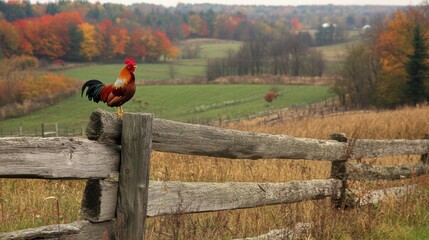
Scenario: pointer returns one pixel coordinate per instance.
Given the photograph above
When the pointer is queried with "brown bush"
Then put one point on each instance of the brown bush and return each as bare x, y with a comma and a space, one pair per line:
25, 90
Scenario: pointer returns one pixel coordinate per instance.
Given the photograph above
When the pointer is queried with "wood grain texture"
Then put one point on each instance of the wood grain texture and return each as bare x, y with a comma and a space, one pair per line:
191, 197
105, 127
376, 196
134, 175
72, 231
99, 200
72, 158
169, 136
366, 148
183, 138
361, 171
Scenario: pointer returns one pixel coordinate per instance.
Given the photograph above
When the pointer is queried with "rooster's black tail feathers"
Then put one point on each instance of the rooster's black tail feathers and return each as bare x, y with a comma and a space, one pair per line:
94, 90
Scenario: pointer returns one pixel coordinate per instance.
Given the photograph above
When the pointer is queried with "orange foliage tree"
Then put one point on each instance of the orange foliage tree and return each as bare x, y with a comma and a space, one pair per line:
393, 45
88, 47
55, 36
47, 36
112, 39
162, 43
9, 38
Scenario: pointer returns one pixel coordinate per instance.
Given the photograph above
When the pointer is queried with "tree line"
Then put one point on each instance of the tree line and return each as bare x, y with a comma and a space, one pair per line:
148, 30
287, 55
68, 36
390, 67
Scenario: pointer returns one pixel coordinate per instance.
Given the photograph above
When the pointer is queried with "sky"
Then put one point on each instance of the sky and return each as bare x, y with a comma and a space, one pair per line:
172, 3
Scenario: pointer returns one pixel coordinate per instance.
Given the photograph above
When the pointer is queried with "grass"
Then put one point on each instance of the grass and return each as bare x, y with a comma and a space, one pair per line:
145, 71
182, 69
212, 48
334, 53
174, 102
219, 50
23, 204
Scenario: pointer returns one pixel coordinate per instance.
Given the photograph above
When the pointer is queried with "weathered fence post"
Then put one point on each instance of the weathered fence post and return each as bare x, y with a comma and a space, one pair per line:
425, 157
56, 129
43, 130
338, 171
134, 175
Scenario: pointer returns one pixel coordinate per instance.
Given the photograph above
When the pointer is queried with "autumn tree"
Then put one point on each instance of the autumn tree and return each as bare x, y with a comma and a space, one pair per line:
394, 43
150, 43
185, 30
88, 47
400, 64
194, 23
112, 39
225, 25
162, 43
136, 47
296, 24
172, 52
9, 39
47, 36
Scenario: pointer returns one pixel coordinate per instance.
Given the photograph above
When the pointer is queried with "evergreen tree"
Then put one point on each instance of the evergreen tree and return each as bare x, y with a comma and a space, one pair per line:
416, 69
76, 37
52, 9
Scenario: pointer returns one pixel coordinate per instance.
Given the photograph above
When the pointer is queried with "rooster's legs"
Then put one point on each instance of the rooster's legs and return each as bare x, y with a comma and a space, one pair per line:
119, 112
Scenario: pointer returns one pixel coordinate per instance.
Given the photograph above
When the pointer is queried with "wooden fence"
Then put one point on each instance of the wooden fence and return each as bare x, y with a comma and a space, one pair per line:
328, 107
43, 130
118, 199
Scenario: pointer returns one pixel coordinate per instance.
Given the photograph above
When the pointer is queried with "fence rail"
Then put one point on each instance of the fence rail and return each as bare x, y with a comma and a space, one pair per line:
119, 196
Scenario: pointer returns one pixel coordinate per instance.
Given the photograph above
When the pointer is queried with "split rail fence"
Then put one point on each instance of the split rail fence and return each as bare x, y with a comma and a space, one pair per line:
119, 196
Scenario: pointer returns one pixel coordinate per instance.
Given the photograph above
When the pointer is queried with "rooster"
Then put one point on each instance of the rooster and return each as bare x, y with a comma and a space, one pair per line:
115, 94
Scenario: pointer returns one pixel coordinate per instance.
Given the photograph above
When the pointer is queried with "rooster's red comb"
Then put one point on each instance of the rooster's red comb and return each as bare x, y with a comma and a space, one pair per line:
129, 61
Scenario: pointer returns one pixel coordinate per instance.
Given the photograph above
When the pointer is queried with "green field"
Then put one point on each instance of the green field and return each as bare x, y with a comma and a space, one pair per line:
145, 71
179, 69
182, 69
216, 50
175, 102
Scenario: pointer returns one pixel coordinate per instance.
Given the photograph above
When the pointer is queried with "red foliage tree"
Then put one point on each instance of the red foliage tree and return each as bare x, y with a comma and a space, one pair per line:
136, 47
296, 24
163, 43
185, 30
47, 36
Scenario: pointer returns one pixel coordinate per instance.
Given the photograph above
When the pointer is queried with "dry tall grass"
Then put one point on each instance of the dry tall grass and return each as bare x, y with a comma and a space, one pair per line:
22, 202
